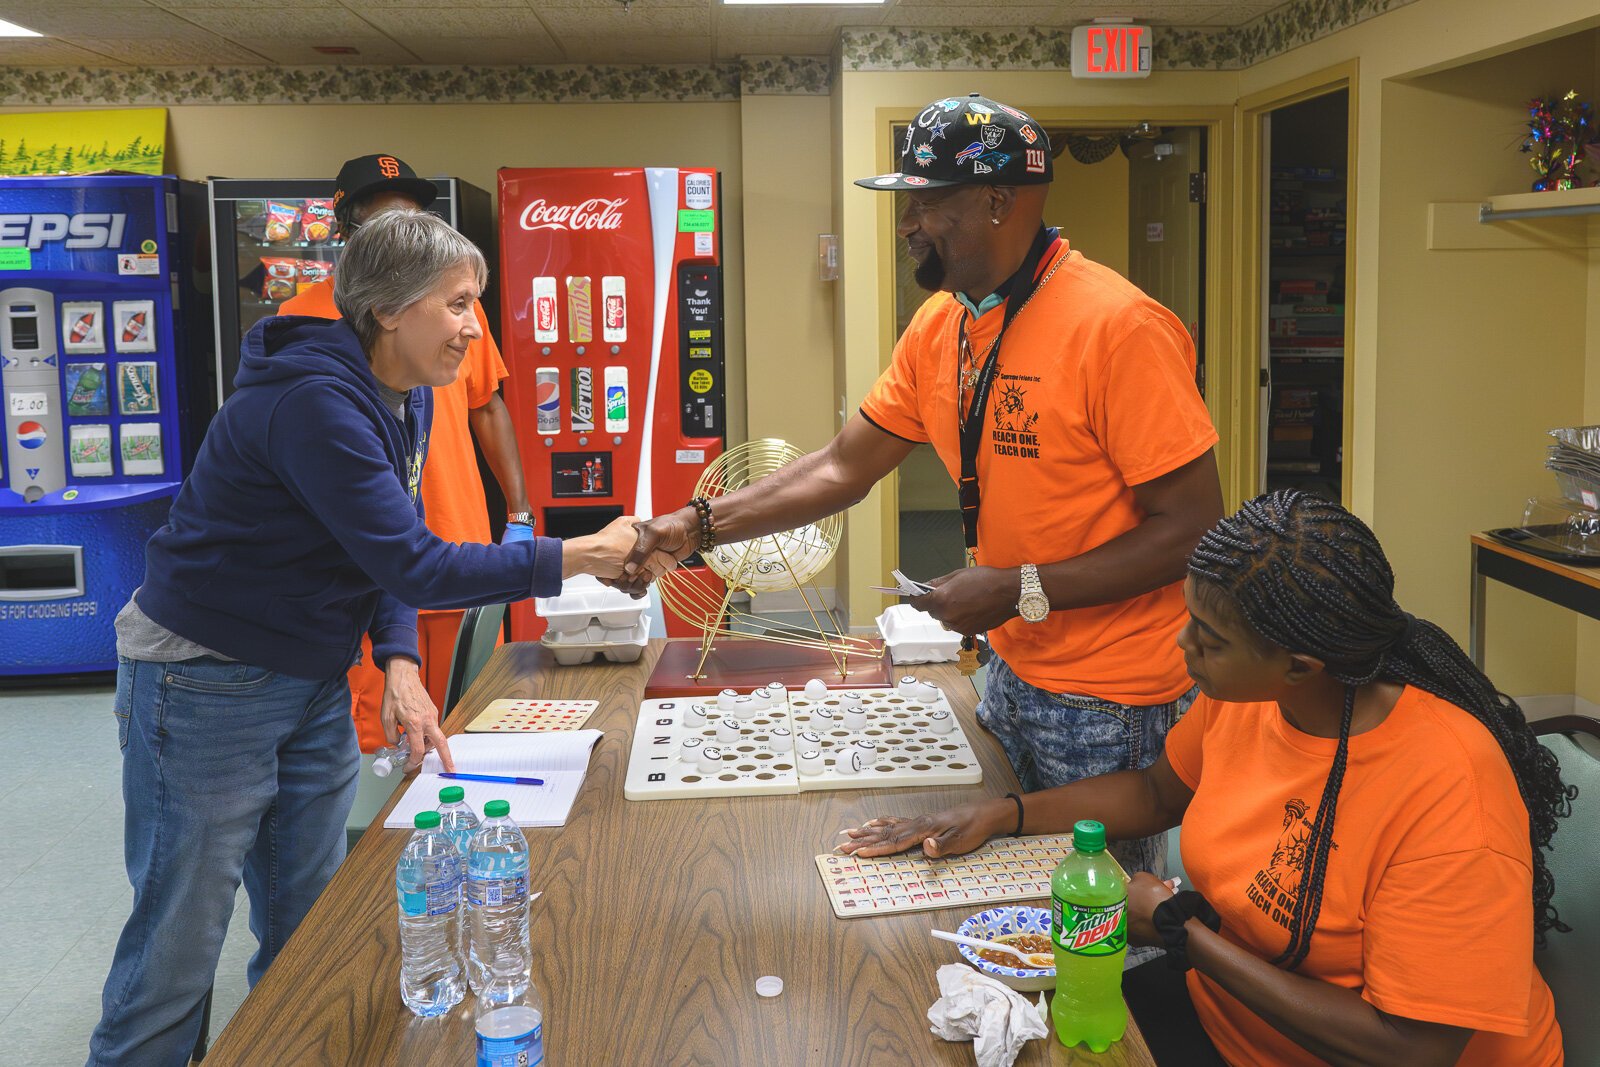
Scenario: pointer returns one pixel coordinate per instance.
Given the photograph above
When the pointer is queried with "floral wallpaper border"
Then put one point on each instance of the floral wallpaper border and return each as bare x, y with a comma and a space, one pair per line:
1285, 27
1288, 26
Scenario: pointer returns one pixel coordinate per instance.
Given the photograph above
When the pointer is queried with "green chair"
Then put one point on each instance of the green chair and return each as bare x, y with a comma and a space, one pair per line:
1571, 962
475, 643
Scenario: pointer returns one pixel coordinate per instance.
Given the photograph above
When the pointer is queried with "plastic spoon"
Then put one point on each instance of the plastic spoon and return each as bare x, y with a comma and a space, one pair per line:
1032, 960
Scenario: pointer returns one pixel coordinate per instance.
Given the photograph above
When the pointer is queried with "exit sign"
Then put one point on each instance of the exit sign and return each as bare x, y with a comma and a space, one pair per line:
1111, 51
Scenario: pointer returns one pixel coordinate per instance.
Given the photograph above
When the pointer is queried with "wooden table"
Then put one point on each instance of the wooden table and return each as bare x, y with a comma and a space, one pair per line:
656, 920
1577, 588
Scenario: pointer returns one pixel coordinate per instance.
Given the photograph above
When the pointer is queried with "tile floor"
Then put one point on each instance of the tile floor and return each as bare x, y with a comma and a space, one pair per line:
63, 892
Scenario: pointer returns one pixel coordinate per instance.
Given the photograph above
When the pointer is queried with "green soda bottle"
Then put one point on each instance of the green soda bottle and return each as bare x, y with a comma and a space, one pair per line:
1089, 925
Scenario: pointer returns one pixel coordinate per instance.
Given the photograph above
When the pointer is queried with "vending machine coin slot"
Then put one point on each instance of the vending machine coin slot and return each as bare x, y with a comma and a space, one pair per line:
702, 390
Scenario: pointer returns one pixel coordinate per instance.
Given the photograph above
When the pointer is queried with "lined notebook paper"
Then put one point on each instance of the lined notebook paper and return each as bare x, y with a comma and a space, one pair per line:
561, 759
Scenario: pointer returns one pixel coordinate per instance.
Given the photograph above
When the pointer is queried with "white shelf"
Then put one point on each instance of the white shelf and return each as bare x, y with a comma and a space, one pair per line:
1553, 204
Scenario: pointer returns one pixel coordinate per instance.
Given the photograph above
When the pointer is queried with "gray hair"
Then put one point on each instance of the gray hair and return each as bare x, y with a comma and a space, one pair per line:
395, 259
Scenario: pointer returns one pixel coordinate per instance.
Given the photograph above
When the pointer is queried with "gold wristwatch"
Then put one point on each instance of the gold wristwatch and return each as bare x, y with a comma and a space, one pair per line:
1033, 605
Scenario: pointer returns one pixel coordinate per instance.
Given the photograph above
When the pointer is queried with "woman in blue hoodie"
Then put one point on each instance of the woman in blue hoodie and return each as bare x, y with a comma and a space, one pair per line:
299, 529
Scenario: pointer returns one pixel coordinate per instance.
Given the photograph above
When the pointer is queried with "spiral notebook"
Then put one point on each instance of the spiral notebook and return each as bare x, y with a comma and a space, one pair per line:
561, 759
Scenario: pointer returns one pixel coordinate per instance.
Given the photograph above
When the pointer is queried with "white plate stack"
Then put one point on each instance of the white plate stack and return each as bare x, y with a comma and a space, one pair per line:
588, 620
916, 637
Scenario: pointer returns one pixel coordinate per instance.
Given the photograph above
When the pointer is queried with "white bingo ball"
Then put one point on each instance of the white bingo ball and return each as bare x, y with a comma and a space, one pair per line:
926, 691
906, 686
778, 690
855, 718
780, 740
710, 758
823, 719
846, 761
816, 689
850, 700
940, 722
811, 763
695, 715
866, 752
760, 699
808, 742
728, 729
689, 750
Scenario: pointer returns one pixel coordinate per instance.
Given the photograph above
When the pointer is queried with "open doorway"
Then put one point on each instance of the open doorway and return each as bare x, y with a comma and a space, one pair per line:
1129, 196
1304, 225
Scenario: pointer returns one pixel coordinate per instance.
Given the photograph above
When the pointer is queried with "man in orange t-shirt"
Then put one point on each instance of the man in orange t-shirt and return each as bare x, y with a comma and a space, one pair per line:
1092, 475
469, 407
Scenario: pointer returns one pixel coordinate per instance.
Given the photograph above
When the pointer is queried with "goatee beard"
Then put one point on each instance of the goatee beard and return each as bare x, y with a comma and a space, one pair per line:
930, 272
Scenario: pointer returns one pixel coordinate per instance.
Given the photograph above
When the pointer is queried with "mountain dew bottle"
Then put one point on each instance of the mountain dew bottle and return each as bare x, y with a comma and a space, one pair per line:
1089, 925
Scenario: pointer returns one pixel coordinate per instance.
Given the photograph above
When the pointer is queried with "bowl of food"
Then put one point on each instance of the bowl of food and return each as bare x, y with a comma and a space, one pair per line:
1024, 928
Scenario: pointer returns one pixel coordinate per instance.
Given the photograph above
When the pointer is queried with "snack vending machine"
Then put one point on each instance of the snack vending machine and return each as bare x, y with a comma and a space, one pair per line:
273, 237
611, 294
106, 368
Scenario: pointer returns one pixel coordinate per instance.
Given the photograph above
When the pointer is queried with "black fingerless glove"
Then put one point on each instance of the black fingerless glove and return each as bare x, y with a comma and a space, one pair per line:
1169, 918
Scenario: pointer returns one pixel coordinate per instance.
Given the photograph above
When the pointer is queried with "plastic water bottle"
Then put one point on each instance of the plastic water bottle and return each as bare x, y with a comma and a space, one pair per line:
510, 1024
1089, 925
427, 881
392, 758
457, 818
497, 899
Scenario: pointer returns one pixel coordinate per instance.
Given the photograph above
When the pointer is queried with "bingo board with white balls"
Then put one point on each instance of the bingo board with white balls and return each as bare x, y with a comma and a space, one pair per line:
775, 740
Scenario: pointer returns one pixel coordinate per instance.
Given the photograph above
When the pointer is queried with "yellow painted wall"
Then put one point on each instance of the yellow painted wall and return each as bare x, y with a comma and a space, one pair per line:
1089, 201
1462, 330
788, 313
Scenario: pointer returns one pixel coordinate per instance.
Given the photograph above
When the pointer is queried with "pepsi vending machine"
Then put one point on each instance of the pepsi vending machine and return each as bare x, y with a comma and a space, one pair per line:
106, 367
611, 290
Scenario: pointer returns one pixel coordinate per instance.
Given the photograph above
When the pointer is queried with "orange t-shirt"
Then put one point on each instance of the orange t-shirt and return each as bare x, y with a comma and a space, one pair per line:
452, 492
1095, 393
1427, 907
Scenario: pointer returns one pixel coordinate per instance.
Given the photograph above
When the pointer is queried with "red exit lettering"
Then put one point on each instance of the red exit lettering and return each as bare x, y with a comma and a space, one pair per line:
1114, 49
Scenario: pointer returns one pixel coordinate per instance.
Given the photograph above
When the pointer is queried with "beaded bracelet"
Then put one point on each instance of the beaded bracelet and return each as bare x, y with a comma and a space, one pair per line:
708, 524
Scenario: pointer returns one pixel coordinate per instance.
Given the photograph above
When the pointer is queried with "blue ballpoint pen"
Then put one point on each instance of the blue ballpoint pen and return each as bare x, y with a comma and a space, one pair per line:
491, 778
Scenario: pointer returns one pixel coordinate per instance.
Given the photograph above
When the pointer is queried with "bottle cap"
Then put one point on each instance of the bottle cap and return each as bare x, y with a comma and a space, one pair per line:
427, 820
452, 794
497, 809
769, 985
1089, 836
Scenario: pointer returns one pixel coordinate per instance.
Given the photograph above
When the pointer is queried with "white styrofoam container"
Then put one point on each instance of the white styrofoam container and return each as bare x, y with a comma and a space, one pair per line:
916, 637
619, 644
584, 602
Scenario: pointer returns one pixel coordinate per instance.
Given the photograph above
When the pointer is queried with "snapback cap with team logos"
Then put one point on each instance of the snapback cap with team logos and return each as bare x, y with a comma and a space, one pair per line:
365, 175
969, 140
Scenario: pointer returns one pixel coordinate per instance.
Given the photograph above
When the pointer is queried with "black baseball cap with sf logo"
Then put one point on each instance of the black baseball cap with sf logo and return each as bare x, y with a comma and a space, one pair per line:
969, 140
365, 175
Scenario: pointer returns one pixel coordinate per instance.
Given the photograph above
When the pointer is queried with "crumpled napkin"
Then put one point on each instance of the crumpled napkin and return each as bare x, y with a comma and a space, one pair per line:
997, 1019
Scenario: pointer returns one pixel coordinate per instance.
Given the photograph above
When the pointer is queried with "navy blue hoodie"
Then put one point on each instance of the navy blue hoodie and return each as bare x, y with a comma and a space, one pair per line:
301, 527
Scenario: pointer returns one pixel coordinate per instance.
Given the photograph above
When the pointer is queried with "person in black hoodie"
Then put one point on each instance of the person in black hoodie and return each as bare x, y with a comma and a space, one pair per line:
299, 529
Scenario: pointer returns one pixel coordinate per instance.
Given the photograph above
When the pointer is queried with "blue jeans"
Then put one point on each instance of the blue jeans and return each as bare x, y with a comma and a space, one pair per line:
228, 771
1055, 738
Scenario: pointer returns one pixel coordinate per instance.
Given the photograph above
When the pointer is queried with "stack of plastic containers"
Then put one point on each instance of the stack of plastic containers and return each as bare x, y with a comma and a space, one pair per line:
589, 619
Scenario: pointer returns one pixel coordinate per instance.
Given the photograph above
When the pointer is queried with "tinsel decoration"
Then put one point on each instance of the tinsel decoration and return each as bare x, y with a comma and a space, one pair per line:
1558, 130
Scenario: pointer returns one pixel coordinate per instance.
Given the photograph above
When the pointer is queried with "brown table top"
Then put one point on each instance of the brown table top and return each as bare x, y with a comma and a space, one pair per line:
656, 920
1589, 576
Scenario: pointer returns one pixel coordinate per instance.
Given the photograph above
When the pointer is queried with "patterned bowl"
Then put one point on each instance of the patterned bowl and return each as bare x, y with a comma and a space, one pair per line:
997, 922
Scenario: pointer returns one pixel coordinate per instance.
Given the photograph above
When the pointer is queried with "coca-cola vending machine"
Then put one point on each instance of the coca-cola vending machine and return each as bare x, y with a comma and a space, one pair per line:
611, 290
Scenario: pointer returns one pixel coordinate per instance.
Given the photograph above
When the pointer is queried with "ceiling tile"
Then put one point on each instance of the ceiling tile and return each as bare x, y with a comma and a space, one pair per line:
644, 48
361, 7
484, 50
506, 23
31, 52
236, 23
732, 46
791, 20
640, 23
299, 51
100, 20
263, 11
187, 50
635, 6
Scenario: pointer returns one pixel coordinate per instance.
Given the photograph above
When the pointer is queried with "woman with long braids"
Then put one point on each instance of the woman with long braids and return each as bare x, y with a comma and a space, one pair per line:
1364, 816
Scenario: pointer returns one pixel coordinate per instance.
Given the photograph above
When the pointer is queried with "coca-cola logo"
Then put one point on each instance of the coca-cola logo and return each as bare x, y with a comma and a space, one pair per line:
593, 214
545, 313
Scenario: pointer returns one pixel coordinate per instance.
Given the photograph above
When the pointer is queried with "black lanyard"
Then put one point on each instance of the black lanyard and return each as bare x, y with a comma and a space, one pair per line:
972, 426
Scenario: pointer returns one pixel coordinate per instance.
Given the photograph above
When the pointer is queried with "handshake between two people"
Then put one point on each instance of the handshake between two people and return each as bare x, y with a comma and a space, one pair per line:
629, 554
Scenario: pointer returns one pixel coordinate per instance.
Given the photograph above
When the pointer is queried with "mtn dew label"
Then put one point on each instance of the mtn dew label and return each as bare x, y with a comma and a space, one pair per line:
1090, 930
